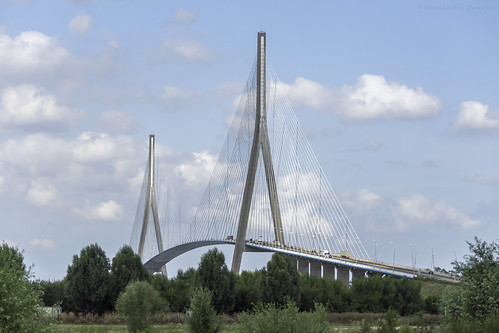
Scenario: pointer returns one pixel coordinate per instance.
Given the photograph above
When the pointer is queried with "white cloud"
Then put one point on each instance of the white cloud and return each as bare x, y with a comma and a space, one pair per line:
91, 147
81, 24
41, 194
417, 209
372, 97
475, 116
34, 155
198, 171
30, 51
360, 201
184, 16
28, 105
186, 50
43, 243
107, 211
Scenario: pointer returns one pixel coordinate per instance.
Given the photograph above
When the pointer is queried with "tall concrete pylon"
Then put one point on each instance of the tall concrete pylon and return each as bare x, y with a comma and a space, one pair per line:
151, 206
260, 140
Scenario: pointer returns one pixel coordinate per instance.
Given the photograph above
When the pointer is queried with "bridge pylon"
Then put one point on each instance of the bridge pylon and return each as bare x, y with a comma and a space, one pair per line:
260, 141
151, 206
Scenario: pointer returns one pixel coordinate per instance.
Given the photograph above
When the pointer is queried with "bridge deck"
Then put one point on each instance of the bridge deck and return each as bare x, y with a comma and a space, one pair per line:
154, 264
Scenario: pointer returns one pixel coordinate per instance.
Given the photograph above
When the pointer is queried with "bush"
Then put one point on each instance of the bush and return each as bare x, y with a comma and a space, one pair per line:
272, 318
203, 317
138, 303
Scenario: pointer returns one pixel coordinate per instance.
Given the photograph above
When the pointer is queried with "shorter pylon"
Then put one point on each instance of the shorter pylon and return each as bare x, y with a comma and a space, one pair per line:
151, 206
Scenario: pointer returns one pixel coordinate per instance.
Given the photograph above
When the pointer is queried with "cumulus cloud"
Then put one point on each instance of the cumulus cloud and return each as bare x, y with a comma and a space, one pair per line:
184, 16
372, 97
30, 52
107, 211
186, 50
30, 106
43, 243
35, 155
81, 24
360, 201
198, 171
417, 209
44, 169
91, 147
40, 194
476, 117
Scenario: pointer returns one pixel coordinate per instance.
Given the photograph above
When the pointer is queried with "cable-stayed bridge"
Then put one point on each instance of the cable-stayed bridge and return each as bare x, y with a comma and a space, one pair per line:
267, 193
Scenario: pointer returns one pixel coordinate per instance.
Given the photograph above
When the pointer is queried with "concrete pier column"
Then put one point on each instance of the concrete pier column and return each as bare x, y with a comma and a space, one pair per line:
358, 273
328, 271
315, 268
294, 260
343, 274
303, 266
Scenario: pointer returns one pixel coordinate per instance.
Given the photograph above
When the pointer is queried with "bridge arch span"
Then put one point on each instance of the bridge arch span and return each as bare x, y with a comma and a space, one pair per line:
155, 263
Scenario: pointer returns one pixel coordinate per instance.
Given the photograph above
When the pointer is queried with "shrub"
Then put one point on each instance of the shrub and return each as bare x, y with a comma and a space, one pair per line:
203, 316
138, 303
273, 318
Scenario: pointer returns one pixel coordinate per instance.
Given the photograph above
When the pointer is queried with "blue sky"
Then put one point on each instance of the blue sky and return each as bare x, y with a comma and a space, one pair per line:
398, 99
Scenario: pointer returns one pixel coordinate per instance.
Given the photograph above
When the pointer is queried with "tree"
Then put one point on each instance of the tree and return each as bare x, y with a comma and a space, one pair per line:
180, 290
214, 275
20, 300
138, 303
53, 292
280, 280
88, 282
126, 267
247, 290
478, 296
203, 316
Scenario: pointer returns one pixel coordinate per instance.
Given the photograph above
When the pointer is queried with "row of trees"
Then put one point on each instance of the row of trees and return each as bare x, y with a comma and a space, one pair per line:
93, 284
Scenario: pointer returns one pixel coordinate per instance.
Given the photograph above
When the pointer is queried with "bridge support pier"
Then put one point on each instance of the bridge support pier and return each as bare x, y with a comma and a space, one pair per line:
358, 273
303, 266
315, 268
343, 274
327, 271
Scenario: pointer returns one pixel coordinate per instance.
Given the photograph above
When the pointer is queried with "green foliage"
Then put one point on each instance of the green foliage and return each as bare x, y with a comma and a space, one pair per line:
478, 296
280, 280
178, 291
214, 275
20, 300
432, 303
88, 282
203, 316
285, 319
53, 292
248, 292
126, 267
390, 322
138, 303
377, 294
